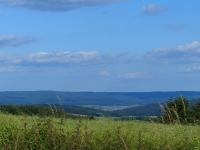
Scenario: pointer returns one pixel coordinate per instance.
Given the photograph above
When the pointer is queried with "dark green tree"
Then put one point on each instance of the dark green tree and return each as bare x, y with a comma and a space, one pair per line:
196, 110
177, 110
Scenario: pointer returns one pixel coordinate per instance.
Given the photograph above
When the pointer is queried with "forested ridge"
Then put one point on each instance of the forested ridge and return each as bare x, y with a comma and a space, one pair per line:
90, 98
148, 110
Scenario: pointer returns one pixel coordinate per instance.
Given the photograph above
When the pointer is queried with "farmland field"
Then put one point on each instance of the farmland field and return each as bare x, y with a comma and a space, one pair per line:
110, 108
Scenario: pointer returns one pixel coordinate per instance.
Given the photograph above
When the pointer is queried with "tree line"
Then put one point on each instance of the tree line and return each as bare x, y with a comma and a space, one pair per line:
39, 110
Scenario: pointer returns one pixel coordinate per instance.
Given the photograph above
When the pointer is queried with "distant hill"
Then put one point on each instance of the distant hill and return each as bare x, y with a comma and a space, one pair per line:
87, 111
148, 110
91, 98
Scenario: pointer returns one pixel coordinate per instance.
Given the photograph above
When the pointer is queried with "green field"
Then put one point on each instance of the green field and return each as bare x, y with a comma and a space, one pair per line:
31, 132
110, 108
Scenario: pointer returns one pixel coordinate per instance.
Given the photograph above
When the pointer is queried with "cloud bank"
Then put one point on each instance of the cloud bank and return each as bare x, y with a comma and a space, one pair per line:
153, 9
11, 40
186, 53
55, 5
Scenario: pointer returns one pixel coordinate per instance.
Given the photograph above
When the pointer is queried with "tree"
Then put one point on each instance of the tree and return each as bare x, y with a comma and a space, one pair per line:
196, 110
176, 110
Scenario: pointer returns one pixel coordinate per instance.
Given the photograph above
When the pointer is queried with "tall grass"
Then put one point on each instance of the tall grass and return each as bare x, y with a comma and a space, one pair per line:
178, 111
25, 132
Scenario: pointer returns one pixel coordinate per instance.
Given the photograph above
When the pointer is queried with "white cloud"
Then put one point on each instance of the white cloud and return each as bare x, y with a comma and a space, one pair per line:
187, 47
153, 9
180, 54
55, 5
59, 58
104, 73
68, 57
193, 69
11, 40
10, 69
136, 75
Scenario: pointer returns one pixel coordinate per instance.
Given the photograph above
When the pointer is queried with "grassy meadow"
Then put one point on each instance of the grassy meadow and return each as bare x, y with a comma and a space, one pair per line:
32, 132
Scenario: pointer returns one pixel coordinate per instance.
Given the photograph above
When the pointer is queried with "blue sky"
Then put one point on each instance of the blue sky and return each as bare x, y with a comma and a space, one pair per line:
100, 45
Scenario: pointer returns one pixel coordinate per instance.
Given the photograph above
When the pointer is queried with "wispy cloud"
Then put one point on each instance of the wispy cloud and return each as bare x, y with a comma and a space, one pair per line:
104, 73
119, 11
175, 27
153, 9
180, 54
55, 5
10, 69
132, 75
193, 69
2, 13
7, 69
12, 40
60, 58
68, 58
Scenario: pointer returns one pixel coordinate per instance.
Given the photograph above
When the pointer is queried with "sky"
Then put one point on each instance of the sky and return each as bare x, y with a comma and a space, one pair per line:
100, 45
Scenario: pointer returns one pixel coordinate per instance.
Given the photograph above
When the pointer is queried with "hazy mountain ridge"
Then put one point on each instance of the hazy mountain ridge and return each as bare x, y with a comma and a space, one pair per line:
91, 98
148, 102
